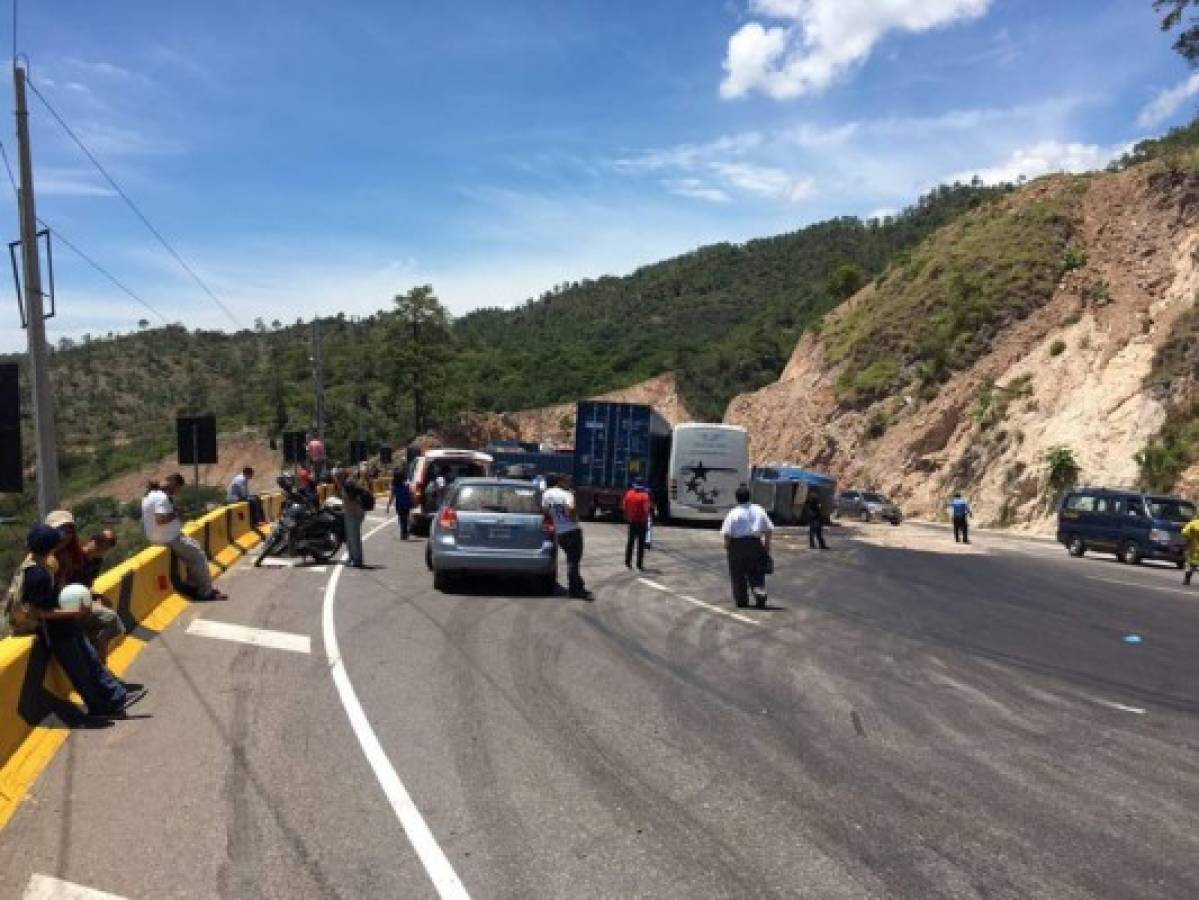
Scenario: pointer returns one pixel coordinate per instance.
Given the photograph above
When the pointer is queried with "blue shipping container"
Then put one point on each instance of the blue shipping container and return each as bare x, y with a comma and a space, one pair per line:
616, 443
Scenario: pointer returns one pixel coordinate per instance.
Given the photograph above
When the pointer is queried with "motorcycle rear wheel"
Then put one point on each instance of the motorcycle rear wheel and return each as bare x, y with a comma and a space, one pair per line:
326, 553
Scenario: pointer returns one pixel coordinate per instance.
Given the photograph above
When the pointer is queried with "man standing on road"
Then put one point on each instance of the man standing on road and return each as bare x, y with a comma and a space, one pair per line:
1190, 531
815, 513
401, 496
559, 504
353, 507
637, 507
961, 515
747, 531
163, 527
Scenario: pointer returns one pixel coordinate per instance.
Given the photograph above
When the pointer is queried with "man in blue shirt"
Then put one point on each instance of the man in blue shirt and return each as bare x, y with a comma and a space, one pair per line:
401, 496
961, 515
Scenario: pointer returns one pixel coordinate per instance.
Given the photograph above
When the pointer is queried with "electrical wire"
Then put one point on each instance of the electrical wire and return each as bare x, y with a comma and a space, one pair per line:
133, 206
70, 246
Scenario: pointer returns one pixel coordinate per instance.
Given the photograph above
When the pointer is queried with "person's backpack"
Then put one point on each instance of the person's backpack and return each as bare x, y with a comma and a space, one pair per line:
20, 620
366, 498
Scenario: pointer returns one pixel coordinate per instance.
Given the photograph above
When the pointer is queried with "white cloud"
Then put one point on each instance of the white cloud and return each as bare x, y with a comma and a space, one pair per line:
70, 183
1168, 102
767, 181
823, 39
1043, 158
696, 189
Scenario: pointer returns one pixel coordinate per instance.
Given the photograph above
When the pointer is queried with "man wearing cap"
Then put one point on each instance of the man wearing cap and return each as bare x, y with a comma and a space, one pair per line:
36, 595
99, 622
164, 528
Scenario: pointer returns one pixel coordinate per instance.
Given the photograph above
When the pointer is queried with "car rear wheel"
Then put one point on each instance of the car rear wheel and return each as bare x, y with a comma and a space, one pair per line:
864, 515
1131, 554
428, 557
1076, 546
441, 581
547, 584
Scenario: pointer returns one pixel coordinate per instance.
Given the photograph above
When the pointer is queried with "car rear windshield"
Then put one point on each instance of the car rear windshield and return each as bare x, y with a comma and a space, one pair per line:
1171, 510
874, 498
501, 498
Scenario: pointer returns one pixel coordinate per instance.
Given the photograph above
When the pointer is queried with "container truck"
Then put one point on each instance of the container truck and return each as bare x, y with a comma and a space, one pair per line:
616, 444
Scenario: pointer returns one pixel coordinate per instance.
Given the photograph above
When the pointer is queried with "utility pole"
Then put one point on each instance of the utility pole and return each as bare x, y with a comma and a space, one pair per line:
43, 398
318, 376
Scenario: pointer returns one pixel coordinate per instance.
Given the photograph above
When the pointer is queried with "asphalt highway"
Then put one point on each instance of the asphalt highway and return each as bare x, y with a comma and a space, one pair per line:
909, 718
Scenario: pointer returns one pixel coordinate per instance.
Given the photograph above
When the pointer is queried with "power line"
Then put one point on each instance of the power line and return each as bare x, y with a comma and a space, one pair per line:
133, 206
70, 246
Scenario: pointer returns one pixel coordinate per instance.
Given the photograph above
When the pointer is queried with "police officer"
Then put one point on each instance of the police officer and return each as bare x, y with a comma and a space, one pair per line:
747, 531
814, 510
961, 512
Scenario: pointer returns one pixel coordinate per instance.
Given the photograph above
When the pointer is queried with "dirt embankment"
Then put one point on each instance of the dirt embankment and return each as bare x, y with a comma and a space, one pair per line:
1070, 374
555, 424
234, 452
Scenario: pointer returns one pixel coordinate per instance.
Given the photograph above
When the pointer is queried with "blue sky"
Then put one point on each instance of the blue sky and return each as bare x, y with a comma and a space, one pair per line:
312, 157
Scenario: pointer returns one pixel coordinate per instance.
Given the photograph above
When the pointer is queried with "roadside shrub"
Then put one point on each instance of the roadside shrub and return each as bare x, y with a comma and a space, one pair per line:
1167, 455
1098, 293
877, 426
1057, 348
1074, 258
1062, 468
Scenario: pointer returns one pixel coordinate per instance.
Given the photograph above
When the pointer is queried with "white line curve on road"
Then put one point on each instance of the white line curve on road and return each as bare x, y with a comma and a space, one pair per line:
437, 865
710, 607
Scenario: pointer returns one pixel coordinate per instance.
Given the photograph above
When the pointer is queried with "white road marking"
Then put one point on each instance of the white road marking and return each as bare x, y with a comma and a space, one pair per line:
297, 564
1111, 704
1148, 587
259, 637
711, 607
43, 887
441, 873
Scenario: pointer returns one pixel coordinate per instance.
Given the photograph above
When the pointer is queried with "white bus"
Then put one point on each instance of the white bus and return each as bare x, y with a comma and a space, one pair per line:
707, 465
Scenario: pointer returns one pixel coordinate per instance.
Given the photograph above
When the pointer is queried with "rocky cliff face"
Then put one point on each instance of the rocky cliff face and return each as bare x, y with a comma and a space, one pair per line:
1071, 372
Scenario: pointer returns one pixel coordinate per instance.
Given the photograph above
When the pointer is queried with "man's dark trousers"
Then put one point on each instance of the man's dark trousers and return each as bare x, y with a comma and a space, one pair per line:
961, 530
745, 567
403, 514
100, 691
816, 533
571, 543
256, 514
637, 532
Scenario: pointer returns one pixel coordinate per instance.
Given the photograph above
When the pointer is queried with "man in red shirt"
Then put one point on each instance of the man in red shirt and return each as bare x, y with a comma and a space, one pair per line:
637, 507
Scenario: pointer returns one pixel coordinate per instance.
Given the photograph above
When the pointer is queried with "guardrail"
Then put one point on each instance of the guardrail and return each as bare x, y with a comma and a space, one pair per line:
36, 701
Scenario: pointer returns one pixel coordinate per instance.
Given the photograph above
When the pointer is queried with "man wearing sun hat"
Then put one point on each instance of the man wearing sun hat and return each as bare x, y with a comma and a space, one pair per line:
99, 622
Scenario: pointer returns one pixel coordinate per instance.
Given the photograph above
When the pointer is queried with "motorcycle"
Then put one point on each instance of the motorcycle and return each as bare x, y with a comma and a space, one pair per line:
306, 528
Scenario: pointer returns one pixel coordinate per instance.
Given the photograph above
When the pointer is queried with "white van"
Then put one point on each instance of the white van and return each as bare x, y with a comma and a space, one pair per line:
707, 465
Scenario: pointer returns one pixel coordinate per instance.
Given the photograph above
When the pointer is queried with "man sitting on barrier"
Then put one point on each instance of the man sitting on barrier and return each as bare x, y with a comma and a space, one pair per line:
239, 492
73, 565
35, 600
163, 527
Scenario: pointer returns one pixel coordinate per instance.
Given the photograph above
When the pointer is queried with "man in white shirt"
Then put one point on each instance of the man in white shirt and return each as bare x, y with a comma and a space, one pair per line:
559, 504
163, 527
747, 531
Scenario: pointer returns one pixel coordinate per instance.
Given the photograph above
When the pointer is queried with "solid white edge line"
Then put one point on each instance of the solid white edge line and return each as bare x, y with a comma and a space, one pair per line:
46, 887
441, 873
1181, 589
258, 637
697, 602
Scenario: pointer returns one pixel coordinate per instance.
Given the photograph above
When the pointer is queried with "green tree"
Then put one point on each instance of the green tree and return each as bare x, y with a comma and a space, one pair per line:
1187, 42
419, 349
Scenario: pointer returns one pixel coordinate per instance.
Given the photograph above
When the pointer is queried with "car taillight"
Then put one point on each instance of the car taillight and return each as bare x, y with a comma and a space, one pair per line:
418, 493
547, 526
448, 518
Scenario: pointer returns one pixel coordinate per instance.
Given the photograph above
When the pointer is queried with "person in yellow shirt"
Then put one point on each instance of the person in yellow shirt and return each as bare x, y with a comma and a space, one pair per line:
1190, 531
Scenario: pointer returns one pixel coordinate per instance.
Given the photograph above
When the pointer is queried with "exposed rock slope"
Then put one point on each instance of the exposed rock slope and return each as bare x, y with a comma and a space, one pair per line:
1069, 369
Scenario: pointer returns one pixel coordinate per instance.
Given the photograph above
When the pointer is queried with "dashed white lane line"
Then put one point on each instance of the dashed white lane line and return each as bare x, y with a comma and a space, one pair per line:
1148, 587
297, 564
694, 601
441, 873
1111, 704
259, 637
43, 887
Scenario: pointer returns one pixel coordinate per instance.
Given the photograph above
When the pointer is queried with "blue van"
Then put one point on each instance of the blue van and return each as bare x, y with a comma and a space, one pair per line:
1130, 524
